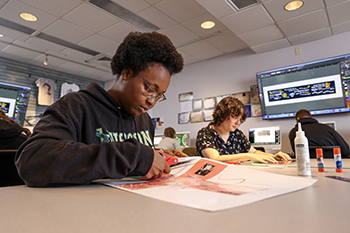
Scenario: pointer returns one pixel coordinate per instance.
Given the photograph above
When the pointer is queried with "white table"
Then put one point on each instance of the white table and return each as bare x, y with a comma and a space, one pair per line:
322, 207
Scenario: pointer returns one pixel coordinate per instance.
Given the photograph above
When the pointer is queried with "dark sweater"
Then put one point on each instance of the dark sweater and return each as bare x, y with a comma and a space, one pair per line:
320, 135
86, 136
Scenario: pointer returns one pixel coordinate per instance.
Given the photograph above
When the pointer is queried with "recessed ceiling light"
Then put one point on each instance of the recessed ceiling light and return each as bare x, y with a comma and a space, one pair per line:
208, 24
1, 35
28, 17
293, 5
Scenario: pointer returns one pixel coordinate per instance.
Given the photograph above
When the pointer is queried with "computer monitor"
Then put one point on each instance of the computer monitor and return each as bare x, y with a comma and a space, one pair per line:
329, 123
157, 139
14, 101
267, 137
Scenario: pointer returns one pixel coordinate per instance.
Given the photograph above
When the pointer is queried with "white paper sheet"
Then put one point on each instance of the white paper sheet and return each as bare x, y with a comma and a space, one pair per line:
210, 185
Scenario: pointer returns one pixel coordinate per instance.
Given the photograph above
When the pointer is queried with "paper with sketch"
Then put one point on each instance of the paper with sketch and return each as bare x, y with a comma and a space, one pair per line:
211, 185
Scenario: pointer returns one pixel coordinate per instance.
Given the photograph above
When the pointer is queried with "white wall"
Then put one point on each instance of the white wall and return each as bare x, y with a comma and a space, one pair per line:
235, 73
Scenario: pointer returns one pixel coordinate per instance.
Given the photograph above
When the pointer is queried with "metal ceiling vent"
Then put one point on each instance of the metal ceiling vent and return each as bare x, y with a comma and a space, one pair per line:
125, 14
240, 4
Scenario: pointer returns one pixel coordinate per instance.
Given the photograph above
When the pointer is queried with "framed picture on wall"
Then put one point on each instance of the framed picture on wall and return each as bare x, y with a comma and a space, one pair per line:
197, 105
208, 115
248, 110
254, 94
219, 98
209, 103
244, 97
186, 96
256, 110
184, 118
196, 117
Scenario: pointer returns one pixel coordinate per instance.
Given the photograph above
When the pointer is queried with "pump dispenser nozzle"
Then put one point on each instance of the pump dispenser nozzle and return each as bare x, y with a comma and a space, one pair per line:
300, 132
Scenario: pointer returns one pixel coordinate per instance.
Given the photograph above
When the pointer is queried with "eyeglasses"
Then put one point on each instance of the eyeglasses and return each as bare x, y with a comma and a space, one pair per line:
236, 120
151, 93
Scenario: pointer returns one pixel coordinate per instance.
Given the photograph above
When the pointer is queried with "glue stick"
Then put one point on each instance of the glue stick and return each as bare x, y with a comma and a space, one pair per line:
320, 163
337, 158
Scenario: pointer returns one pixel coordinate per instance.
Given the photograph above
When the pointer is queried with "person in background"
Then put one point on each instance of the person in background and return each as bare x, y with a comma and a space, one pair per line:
169, 141
12, 134
94, 134
318, 134
222, 140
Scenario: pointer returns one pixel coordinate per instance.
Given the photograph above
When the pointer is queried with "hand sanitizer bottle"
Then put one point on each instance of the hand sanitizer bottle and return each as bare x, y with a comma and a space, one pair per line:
302, 153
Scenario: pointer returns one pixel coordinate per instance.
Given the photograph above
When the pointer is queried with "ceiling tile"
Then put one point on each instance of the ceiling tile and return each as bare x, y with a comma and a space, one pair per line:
10, 33
332, 2
45, 44
99, 43
340, 28
219, 9
278, 13
181, 10
195, 25
234, 47
296, 26
339, 13
19, 54
12, 10
75, 54
197, 47
261, 35
31, 47
67, 31
118, 31
309, 36
225, 38
179, 34
209, 54
248, 20
90, 18
57, 8
158, 18
282, 43
187, 58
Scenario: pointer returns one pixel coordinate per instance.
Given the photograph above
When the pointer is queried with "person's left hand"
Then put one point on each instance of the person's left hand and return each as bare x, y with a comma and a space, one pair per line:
282, 155
175, 152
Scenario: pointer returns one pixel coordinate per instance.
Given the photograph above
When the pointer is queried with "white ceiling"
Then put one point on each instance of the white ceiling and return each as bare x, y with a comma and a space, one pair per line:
261, 27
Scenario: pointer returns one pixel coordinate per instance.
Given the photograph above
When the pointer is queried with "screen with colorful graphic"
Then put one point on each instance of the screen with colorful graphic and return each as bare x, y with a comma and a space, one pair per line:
320, 86
14, 101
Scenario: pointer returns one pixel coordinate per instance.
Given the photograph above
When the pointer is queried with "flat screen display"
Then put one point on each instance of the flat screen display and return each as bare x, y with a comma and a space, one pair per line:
267, 137
14, 101
320, 86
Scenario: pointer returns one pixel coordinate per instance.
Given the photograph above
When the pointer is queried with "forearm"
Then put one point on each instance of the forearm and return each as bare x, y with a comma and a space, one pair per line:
45, 162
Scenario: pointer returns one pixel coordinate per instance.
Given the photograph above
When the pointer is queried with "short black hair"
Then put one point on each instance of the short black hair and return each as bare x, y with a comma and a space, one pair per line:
141, 50
302, 113
226, 107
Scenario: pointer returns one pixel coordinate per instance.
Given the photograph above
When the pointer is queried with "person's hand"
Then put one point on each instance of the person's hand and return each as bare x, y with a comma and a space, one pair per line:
283, 156
175, 152
159, 167
262, 158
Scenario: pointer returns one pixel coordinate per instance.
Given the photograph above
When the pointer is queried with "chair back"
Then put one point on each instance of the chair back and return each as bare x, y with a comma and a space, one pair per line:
8, 171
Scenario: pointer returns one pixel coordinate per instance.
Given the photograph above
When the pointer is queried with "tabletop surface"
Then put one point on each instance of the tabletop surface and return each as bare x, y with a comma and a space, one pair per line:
322, 207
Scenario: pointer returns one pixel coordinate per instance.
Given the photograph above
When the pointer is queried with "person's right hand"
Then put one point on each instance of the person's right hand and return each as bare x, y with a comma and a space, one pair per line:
159, 167
262, 158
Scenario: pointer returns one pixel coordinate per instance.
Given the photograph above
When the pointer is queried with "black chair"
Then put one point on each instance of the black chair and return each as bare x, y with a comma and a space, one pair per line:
327, 151
260, 148
8, 171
